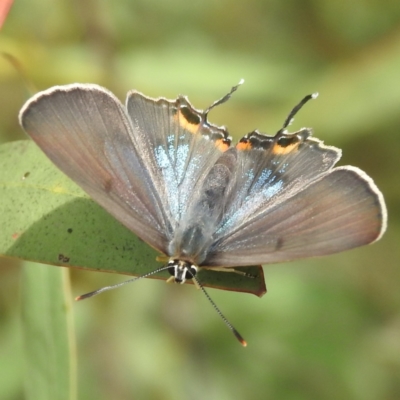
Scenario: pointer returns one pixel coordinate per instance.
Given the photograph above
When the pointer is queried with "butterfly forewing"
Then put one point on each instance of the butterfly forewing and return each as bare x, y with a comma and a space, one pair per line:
85, 131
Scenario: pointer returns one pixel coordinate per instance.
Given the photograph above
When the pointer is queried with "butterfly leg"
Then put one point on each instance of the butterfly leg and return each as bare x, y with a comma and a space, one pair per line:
163, 258
232, 270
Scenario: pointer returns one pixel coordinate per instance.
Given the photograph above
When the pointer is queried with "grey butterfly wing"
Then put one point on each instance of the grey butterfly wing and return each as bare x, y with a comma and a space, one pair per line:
290, 213
88, 134
85, 131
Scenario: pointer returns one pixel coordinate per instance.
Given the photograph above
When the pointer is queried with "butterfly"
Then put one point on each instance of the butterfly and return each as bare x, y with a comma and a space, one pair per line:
175, 180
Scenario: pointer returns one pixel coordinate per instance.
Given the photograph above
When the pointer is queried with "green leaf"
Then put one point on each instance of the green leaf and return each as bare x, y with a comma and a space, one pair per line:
49, 343
47, 218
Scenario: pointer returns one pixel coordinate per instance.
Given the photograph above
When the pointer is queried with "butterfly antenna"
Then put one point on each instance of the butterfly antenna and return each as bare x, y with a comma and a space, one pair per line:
296, 109
227, 323
106, 288
225, 98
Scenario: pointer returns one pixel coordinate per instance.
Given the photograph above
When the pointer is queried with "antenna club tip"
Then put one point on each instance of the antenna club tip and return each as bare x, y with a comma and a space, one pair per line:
84, 296
315, 95
239, 337
241, 82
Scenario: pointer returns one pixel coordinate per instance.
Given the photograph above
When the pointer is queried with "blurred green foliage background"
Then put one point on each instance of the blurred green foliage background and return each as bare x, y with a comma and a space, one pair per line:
328, 328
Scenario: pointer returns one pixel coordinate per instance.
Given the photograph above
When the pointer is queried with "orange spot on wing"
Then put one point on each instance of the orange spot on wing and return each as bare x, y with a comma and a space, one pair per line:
244, 145
185, 124
221, 145
278, 149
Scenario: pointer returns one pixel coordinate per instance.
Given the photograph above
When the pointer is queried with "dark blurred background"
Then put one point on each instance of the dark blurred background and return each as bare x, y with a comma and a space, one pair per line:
328, 328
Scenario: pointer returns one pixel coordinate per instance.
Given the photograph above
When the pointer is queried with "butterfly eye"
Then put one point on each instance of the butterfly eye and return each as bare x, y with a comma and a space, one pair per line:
191, 272
172, 267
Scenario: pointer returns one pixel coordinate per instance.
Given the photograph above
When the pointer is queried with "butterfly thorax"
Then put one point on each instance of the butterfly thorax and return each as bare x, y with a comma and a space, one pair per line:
194, 233
181, 270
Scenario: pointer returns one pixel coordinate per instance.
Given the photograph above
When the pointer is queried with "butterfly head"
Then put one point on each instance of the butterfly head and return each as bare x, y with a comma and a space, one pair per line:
181, 270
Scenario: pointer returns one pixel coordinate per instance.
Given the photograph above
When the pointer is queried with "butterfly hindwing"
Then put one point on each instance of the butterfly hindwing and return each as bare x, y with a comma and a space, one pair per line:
268, 173
283, 210
178, 147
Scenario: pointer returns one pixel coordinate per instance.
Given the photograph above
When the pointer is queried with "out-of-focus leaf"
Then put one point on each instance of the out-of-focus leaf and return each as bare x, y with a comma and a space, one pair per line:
49, 343
356, 94
46, 218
